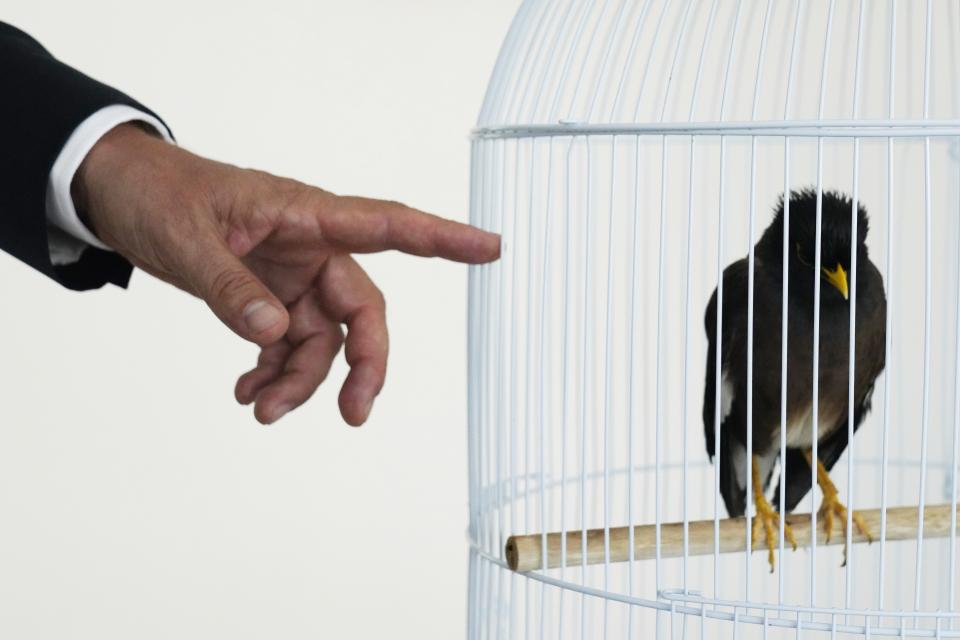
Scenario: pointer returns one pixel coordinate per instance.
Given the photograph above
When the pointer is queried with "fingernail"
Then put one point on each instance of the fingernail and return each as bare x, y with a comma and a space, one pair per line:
260, 315
280, 411
367, 408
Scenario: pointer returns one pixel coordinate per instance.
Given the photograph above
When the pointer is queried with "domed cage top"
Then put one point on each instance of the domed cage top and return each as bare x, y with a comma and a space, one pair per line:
629, 151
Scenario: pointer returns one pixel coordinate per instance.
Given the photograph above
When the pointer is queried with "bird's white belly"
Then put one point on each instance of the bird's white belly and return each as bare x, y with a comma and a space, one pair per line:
800, 429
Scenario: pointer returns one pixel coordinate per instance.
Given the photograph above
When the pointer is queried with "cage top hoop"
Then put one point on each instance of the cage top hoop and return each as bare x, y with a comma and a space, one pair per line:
812, 129
611, 67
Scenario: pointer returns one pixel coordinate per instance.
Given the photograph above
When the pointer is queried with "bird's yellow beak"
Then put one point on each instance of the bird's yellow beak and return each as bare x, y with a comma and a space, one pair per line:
838, 278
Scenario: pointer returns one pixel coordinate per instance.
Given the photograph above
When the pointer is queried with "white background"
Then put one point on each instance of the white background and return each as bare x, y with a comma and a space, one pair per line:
137, 499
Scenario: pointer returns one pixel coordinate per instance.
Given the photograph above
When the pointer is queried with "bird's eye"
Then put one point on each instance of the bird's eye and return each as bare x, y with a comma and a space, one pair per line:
803, 260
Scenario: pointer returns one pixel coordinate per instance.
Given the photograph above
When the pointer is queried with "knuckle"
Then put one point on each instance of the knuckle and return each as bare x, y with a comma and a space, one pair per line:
228, 285
265, 176
379, 301
271, 358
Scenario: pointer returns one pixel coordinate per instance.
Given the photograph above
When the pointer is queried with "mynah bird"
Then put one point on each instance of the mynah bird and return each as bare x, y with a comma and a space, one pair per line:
837, 281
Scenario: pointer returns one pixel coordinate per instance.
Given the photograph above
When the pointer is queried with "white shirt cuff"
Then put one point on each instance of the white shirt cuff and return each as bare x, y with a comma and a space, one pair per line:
68, 237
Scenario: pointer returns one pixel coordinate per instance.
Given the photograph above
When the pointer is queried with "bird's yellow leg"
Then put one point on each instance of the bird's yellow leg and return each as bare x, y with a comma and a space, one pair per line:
831, 506
767, 515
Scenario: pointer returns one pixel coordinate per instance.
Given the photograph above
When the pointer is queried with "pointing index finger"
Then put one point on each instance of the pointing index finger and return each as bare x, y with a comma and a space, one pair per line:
366, 225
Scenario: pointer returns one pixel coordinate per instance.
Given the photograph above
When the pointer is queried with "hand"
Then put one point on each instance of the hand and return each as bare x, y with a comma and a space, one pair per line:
270, 256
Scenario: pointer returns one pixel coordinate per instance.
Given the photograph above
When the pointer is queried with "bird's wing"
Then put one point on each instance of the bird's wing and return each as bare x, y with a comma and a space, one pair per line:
733, 461
734, 304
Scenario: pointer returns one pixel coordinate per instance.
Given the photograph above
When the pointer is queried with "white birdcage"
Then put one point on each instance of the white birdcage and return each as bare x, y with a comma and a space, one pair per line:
628, 151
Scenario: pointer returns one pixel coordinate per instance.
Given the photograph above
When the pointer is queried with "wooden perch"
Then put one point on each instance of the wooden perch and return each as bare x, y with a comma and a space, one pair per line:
524, 552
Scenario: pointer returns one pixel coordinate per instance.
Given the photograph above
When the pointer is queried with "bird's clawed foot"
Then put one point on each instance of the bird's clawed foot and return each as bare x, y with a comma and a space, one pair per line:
768, 516
770, 519
832, 507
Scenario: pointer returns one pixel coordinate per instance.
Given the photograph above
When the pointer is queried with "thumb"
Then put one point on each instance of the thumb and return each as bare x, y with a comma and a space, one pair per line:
239, 299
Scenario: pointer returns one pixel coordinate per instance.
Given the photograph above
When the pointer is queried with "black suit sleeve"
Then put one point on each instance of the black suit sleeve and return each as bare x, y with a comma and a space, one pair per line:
42, 101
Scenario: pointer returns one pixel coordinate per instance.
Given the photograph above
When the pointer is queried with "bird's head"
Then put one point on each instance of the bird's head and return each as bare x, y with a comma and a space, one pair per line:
835, 242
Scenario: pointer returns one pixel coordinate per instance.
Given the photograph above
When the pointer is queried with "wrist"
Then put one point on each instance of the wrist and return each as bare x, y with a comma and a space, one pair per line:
106, 167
